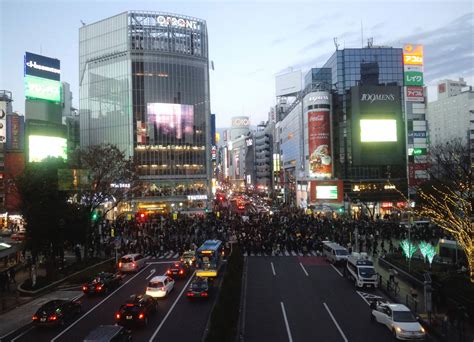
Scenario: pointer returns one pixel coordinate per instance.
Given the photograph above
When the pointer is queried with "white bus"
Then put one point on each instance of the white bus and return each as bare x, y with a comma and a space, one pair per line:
362, 270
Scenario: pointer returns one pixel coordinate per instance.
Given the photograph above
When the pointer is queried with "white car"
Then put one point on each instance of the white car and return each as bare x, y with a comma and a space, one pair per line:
399, 319
131, 263
160, 286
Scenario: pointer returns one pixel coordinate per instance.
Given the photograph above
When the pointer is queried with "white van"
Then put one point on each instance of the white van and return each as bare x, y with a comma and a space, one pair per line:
131, 263
334, 253
361, 269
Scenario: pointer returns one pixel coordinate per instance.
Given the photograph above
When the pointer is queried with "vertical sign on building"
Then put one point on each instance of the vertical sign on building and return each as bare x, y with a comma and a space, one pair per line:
319, 142
3, 121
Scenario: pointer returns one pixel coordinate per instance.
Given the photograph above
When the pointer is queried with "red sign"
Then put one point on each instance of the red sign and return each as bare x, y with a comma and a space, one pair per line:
414, 93
386, 204
442, 88
319, 141
421, 166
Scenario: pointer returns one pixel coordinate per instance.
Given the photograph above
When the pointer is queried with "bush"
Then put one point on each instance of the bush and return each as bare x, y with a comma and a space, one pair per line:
225, 315
40, 283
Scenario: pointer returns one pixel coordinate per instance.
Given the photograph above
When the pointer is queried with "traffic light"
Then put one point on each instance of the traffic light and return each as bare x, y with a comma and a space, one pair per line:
95, 216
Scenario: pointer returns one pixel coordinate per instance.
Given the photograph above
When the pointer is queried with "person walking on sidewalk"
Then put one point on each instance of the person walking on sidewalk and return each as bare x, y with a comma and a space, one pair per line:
12, 274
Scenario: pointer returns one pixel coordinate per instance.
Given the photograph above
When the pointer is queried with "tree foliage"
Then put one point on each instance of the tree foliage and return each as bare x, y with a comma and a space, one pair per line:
448, 198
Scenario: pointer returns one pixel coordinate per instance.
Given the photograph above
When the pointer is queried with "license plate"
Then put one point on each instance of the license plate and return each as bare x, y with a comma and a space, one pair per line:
43, 320
129, 317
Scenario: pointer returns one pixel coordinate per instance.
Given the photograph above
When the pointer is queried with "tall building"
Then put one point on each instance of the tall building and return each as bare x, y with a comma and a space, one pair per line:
70, 119
449, 117
144, 87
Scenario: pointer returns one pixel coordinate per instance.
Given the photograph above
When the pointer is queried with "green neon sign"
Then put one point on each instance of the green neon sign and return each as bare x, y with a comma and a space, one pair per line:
42, 88
419, 151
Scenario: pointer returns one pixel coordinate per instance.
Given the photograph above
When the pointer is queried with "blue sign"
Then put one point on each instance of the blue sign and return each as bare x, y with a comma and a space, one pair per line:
42, 66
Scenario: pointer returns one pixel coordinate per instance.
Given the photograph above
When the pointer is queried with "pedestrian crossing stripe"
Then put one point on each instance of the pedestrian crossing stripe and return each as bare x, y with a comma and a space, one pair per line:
283, 253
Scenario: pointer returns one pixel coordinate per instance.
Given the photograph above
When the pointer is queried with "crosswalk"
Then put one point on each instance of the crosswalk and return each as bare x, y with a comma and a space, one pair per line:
283, 254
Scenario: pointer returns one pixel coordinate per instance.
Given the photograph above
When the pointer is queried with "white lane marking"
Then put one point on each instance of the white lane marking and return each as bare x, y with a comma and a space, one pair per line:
151, 273
175, 256
172, 307
293, 253
159, 262
290, 339
273, 268
335, 322
245, 254
22, 334
286, 253
361, 296
304, 269
161, 256
335, 268
314, 253
97, 305
300, 254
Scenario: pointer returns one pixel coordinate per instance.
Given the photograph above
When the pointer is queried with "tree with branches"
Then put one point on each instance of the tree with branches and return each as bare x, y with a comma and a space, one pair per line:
447, 199
113, 180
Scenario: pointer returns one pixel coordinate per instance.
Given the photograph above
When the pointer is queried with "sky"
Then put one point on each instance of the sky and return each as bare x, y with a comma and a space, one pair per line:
249, 41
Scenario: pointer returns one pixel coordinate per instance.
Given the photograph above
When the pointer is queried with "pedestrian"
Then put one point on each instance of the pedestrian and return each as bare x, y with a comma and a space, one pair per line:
11, 274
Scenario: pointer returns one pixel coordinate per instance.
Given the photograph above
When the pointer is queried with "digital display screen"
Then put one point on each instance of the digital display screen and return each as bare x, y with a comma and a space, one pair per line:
42, 88
172, 119
326, 192
40, 147
378, 130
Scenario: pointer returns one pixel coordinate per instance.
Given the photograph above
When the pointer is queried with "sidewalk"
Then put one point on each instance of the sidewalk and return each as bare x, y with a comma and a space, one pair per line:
21, 316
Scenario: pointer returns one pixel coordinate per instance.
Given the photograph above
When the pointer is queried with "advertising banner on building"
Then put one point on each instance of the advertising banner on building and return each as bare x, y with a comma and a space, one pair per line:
3, 121
42, 66
326, 191
413, 54
172, 120
15, 133
414, 94
413, 78
319, 142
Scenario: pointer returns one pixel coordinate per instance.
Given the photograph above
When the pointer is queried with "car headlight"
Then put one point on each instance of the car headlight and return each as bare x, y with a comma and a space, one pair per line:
423, 330
398, 329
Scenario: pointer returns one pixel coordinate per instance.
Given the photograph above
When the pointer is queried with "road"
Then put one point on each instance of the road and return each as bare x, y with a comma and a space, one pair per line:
304, 299
177, 317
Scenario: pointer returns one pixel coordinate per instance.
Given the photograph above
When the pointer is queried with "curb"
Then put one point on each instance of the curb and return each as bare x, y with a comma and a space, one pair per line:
52, 285
243, 300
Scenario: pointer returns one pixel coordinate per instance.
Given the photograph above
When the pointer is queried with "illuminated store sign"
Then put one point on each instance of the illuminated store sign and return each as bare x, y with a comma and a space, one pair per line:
378, 130
42, 88
197, 197
413, 78
42, 66
178, 22
377, 97
412, 54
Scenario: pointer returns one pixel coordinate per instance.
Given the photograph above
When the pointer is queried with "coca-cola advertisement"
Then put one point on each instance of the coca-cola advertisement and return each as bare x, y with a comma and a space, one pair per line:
319, 141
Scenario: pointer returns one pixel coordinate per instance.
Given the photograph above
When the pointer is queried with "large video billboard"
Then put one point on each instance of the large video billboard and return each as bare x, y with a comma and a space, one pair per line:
42, 88
42, 66
40, 147
176, 120
319, 142
330, 191
377, 126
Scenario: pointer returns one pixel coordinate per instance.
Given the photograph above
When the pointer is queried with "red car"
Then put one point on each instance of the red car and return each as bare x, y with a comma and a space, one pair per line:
178, 270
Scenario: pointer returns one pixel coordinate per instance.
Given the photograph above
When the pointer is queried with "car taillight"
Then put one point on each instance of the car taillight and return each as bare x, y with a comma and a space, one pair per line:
168, 272
120, 264
181, 271
133, 264
141, 315
34, 317
190, 294
84, 288
98, 287
53, 317
203, 294
117, 315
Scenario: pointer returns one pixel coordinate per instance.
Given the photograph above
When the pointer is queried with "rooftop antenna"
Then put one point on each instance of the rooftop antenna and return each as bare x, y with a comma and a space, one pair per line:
336, 43
370, 42
361, 34
83, 23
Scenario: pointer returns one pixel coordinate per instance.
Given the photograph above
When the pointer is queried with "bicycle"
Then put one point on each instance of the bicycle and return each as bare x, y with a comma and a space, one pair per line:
393, 286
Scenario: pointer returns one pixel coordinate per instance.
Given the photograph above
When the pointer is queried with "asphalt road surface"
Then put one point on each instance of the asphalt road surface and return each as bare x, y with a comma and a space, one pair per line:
177, 318
300, 299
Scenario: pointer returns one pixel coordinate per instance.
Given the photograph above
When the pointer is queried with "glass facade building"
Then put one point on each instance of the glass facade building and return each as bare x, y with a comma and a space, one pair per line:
144, 86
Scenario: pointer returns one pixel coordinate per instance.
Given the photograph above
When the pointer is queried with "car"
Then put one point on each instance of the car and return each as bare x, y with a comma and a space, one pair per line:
177, 271
199, 288
136, 310
56, 312
131, 263
102, 283
109, 333
20, 236
160, 286
188, 258
399, 319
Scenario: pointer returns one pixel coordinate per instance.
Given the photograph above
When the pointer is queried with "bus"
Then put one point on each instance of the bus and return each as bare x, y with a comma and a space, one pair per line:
209, 258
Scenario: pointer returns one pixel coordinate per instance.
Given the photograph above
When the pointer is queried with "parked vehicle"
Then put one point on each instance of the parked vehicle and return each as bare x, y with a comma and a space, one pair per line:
361, 270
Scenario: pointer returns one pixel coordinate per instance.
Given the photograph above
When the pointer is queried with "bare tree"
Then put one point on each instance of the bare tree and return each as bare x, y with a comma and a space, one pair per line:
447, 198
113, 180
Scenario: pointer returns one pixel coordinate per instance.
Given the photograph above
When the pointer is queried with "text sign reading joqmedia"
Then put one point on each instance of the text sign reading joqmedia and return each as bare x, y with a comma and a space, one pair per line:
42, 66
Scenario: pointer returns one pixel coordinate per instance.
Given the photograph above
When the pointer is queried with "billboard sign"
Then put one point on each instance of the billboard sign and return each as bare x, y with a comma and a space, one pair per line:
330, 191
240, 121
326, 192
319, 141
15, 132
413, 78
417, 134
414, 94
378, 130
3, 121
176, 120
413, 54
41, 147
42, 66
288, 84
42, 88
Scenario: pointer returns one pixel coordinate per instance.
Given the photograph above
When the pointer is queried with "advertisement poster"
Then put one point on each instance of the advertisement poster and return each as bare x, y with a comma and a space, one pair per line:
171, 119
15, 132
319, 141
415, 94
413, 78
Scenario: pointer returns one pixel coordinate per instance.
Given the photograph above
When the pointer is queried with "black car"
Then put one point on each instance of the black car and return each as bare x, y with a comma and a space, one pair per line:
177, 271
56, 312
199, 288
103, 283
136, 311
109, 333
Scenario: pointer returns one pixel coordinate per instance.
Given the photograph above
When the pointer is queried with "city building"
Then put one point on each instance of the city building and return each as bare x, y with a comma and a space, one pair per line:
70, 119
6, 100
449, 116
263, 156
144, 87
